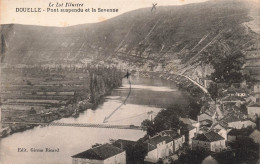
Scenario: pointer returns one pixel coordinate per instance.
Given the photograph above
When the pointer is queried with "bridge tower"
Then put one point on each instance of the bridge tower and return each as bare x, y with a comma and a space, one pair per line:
150, 115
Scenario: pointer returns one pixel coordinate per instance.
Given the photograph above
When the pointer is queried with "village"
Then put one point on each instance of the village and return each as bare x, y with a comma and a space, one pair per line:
225, 127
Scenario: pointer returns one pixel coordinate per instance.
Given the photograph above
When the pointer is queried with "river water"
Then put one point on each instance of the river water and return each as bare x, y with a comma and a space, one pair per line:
146, 95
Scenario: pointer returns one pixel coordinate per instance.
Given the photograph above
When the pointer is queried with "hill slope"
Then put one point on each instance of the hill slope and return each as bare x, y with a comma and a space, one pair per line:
183, 39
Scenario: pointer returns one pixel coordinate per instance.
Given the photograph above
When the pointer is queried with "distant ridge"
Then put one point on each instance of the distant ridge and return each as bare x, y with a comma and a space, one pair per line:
183, 39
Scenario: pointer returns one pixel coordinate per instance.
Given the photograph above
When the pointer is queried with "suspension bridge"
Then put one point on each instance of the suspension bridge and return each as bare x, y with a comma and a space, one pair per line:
109, 126
150, 114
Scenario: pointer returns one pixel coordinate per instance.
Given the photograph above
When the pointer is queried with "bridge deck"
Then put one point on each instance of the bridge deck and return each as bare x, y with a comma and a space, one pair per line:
79, 125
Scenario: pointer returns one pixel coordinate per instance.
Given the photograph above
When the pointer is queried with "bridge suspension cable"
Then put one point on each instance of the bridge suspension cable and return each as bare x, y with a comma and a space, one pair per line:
78, 125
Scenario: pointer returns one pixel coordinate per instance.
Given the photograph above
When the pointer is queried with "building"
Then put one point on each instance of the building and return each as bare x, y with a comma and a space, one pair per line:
253, 110
163, 145
221, 128
103, 154
256, 88
126, 145
205, 81
123, 144
190, 122
233, 99
231, 92
207, 112
205, 123
241, 93
189, 133
234, 134
210, 141
250, 100
222, 133
255, 135
237, 123
191, 128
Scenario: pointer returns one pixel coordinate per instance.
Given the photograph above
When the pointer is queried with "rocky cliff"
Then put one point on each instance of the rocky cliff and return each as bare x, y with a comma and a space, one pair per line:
182, 39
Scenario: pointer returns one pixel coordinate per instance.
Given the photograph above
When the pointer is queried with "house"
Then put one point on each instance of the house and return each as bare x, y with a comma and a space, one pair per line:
205, 116
207, 112
255, 135
256, 88
205, 82
241, 93
126, 145
243, 84
250, 100
232, 109
123, 144
221, 128
234, 134
177, 138
205, 123
237, 123
210, 141
222, 132
189, 131
231, 92
253, 110
191, 128
233, 99
163, 145
190, 122
103, 154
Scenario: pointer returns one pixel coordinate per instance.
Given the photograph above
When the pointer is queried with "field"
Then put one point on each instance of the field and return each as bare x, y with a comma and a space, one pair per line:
37, 90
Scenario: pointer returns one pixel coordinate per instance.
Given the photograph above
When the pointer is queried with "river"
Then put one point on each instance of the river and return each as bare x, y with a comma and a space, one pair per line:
146, 95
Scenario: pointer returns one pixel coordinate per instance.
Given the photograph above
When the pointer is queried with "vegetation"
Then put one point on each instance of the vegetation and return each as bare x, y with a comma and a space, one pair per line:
191, 157
166, 119
228, 68
139, 152
102, 80
53, 90
216, 90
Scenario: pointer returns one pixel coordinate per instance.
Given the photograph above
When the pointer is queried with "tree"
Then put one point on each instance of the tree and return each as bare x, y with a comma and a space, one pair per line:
166, 119
147, 126
139, 152
32, 111
213, 91
228, 68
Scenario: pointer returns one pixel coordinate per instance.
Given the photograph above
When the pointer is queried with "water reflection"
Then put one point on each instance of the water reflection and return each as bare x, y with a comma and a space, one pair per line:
146, 95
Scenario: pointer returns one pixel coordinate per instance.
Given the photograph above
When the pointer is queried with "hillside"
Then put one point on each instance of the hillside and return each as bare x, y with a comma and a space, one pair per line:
183, 39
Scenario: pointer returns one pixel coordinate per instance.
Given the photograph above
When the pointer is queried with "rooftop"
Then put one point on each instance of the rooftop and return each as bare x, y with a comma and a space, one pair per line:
241, 132
171, 133
100, 152
120, 143
222, 124
188, 121
190, 127
205, 123
231, 118
255, 136
254, 105
232, 98
166, 135
209, 137
158, 139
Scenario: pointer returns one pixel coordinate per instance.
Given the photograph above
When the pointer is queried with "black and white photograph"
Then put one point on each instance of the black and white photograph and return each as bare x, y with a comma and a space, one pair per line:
129, 82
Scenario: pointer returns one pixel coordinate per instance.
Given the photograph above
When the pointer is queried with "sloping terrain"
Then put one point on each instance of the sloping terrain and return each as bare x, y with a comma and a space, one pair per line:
183, 39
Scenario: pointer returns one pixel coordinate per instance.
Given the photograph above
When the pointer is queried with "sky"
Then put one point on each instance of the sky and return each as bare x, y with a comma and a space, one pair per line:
62, 19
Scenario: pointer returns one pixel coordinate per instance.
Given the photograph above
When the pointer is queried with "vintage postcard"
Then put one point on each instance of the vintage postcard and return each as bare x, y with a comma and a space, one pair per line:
129, 81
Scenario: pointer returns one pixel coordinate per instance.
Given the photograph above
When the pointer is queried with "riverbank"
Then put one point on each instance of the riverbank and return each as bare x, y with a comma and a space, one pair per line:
48, 94
184, 84
194, 94
72, 110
